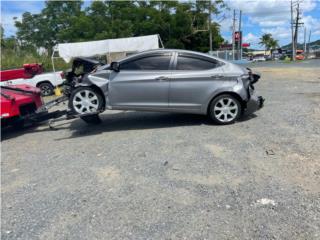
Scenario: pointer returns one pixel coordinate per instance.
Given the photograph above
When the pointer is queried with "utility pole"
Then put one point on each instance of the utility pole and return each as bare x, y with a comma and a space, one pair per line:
304, 41
309, 42
233, 30
296, 29
210, 30
240, 39
292, 34
297, 25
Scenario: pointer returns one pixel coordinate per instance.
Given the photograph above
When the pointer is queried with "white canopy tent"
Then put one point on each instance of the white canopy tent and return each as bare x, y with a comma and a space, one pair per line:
67, 51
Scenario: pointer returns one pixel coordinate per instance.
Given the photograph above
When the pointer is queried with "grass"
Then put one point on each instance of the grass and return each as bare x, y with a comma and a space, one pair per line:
11, 59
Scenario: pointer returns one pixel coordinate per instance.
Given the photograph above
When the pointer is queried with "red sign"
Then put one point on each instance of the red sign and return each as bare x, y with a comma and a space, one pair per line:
245, 44
226, 46
237, 36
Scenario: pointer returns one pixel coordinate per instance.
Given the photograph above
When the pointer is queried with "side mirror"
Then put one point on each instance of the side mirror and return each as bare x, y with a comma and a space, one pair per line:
115, 66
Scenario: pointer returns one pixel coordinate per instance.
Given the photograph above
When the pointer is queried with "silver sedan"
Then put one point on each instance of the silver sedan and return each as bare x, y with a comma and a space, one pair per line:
172, 81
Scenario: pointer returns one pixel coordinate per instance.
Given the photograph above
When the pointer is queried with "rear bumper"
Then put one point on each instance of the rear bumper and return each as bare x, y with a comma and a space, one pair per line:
254, 104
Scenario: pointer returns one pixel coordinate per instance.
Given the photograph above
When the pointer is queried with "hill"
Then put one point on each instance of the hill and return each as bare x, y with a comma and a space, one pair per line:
300, 45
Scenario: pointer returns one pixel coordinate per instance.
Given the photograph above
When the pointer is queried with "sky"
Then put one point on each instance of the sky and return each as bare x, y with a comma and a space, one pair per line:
271, 16
258, 17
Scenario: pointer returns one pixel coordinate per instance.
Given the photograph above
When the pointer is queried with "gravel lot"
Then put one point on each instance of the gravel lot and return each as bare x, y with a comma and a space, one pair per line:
145, 175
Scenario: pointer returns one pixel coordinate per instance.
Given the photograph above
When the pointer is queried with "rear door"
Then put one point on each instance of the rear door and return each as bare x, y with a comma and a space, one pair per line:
193, 79
142, 82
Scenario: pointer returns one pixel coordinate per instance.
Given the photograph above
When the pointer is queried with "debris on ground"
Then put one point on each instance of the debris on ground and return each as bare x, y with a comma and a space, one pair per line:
266, 201
270, 152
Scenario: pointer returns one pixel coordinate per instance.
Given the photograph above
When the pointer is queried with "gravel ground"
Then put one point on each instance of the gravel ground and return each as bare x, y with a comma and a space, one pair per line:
310, 63
142, 175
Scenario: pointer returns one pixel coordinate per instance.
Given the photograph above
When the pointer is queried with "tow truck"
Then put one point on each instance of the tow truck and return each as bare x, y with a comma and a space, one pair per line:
23, 103
81, 66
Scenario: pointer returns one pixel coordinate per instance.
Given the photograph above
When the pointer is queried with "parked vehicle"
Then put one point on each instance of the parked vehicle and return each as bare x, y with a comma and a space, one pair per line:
300, 57
32, 74
18, 102
259, 58
168, 80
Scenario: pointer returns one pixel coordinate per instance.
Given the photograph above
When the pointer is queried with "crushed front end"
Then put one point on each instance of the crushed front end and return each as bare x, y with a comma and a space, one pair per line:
254, 102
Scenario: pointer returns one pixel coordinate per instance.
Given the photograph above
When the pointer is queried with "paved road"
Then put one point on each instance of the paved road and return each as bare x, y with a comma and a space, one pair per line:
169, 176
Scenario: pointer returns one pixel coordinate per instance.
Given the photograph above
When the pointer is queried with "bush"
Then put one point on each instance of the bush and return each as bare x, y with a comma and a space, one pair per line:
11, 59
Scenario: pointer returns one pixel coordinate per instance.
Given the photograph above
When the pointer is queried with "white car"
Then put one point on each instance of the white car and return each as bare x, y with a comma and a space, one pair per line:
45, 81
258, 59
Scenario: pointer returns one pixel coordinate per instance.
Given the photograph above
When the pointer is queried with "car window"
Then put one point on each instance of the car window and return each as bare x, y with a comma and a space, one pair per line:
194, 63
159, 62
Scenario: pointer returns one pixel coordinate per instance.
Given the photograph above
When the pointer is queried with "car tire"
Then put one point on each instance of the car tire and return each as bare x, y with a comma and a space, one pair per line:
224, 109
46, 88
85, 100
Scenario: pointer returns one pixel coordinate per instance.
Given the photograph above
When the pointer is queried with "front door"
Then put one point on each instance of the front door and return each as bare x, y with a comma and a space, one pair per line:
142, 82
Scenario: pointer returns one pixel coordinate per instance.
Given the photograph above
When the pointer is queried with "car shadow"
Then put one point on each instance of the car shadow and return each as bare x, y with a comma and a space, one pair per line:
247, 117
120, 121
9, 132
129, 120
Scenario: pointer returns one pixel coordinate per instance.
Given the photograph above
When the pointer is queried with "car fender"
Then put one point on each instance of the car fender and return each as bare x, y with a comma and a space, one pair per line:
235, 89
98, 82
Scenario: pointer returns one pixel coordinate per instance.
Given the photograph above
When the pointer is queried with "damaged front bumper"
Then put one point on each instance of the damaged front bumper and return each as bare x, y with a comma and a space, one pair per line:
254, 104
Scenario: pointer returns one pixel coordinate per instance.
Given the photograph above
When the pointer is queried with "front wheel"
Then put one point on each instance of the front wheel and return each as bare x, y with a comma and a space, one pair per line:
224, 109
86, 100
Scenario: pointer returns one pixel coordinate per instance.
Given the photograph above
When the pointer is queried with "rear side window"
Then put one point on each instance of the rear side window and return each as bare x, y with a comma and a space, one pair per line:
159, 62
194, 63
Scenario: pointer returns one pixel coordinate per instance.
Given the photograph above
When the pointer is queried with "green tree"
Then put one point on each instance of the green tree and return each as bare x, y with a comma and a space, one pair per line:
180, 24
2, 35
273, 44
268, 42
264, 41
50, 26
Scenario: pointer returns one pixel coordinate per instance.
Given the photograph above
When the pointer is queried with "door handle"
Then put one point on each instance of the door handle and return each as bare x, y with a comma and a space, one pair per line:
162, 78
217, 76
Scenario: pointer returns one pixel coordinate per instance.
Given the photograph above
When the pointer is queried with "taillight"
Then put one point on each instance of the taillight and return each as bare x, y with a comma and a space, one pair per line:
62, 75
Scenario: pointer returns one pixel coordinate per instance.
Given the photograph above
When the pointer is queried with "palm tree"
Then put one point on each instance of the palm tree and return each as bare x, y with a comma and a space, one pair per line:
265, 40
273, 44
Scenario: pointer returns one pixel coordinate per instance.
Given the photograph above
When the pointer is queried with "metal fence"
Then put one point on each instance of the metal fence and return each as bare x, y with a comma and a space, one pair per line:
226, 55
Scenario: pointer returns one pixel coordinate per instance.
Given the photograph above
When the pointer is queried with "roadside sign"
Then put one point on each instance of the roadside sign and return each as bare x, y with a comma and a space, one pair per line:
237, 36
226, 46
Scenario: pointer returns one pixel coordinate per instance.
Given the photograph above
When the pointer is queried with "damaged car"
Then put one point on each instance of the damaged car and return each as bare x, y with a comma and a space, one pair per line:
168, 80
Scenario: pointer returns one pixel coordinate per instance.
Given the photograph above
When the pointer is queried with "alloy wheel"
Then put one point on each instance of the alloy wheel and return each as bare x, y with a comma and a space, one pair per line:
85, 101
225, 110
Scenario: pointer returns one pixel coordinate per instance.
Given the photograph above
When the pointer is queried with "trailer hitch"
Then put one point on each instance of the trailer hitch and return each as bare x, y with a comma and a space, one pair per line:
69, 115
45, 107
